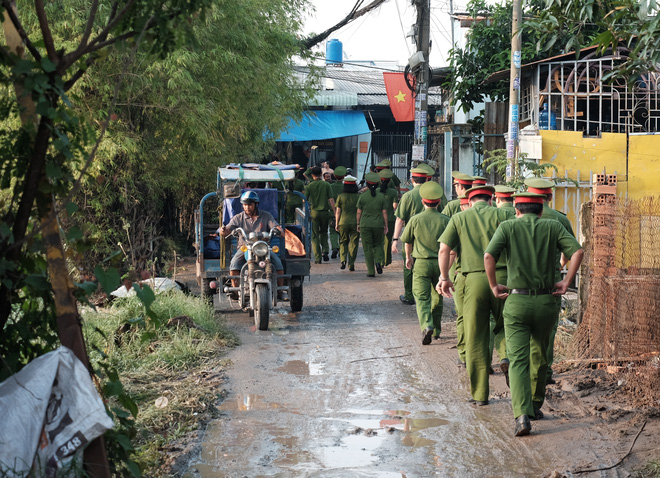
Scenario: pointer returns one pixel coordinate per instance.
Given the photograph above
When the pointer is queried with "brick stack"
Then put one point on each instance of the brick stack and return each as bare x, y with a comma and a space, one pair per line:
603, 225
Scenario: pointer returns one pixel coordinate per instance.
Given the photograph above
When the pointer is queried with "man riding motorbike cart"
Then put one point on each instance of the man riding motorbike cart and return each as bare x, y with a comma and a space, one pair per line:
251, 220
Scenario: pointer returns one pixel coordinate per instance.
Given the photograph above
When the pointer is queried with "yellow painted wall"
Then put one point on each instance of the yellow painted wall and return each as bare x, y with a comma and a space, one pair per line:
578, 158
644, 166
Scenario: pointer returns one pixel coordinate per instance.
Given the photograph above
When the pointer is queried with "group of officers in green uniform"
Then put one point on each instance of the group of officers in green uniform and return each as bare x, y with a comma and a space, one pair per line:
502, 265
347, 214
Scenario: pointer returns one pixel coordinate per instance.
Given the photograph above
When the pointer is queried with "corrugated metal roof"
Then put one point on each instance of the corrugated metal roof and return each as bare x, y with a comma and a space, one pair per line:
505, 74
367, 85
334, 98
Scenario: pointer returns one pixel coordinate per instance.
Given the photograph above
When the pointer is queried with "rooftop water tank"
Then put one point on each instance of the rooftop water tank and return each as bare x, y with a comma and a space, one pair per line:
333, 52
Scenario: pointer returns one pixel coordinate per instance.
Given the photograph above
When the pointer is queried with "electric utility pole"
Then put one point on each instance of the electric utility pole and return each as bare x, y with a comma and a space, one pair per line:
423, 78
514, 90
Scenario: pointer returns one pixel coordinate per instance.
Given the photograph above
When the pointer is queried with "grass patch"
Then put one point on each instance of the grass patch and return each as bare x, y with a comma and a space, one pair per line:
174, 376
651, 470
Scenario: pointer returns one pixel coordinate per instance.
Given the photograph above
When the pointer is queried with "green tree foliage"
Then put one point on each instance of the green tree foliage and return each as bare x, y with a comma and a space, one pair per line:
178, 119
114, 106
631, 24
488, 50
498, 163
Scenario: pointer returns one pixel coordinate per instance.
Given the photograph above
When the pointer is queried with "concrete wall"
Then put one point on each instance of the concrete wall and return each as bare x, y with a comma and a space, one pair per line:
635, 159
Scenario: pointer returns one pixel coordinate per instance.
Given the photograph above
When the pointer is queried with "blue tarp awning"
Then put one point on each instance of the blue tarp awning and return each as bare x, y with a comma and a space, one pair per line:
319, 125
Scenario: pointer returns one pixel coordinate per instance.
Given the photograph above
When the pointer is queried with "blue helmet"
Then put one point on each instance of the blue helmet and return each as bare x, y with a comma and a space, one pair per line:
249, 196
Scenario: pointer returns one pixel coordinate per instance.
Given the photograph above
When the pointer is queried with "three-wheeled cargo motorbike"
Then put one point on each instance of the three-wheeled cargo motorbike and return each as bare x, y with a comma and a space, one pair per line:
257, 287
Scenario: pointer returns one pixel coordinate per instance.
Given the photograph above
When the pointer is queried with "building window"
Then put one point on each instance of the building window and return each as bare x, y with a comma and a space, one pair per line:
582, 99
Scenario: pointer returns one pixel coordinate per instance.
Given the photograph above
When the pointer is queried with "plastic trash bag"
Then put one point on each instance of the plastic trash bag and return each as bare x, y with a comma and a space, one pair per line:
49, 412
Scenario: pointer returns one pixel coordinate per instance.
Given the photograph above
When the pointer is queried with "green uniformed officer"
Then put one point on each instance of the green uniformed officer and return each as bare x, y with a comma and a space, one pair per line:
392, 201
532, 246
372, 224
504, 196
293, 201
319, 194
462, 182
470, 232
421, 243
409, 205
346, 220
459, 288
544, 186
395, 182
431, 172
307, 175
337, 188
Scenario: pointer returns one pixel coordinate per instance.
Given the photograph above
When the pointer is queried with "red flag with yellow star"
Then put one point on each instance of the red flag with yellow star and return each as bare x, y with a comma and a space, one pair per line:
400, 97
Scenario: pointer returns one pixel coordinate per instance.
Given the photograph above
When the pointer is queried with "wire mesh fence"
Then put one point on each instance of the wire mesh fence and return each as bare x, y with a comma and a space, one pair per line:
620, 280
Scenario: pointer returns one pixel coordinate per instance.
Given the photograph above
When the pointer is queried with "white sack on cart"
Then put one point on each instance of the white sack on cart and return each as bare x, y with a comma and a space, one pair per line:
49, 412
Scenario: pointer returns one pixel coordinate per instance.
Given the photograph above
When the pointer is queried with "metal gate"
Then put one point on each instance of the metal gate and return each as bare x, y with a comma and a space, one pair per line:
395, 147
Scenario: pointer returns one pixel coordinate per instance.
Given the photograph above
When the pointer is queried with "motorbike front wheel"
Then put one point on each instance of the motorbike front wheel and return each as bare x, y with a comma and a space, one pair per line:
261, 306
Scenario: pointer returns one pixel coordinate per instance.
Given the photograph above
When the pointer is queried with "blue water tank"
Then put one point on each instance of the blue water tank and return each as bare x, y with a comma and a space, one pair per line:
547, 118
333, 52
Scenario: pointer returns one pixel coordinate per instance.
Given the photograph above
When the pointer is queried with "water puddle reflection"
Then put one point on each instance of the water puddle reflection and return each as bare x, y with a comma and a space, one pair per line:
249, 402
365, 435
300, 367
349, 440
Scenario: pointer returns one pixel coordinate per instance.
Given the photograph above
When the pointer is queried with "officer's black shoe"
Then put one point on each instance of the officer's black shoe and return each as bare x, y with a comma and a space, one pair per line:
550, 381
379, 268
491, 370
403, 299
538, 414
325, 257
334, 253
343, 265
523, 426
351, 268
436, 337
426, 336
504, 368
371, 275
479, 403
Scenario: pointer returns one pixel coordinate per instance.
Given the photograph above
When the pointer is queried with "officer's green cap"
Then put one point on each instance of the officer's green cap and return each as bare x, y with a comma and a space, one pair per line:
480, 189
461, 176
429, 170
350, 180
372, 178
478, 180
502, 191
539, 185
385, 163
528, 198
385, 174
431, 191
340, 171
419, 172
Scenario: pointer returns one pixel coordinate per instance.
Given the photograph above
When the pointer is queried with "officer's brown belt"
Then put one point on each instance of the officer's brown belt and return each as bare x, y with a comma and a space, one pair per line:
531, 291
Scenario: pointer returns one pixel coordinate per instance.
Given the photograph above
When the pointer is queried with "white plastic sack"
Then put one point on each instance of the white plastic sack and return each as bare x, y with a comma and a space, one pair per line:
158, 284
49, 412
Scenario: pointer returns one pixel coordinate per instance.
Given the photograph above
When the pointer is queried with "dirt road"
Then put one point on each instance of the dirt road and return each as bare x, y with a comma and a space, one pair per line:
345, 389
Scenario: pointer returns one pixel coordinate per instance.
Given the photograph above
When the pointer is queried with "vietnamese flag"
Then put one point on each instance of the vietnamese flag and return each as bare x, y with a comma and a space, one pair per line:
400, 97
